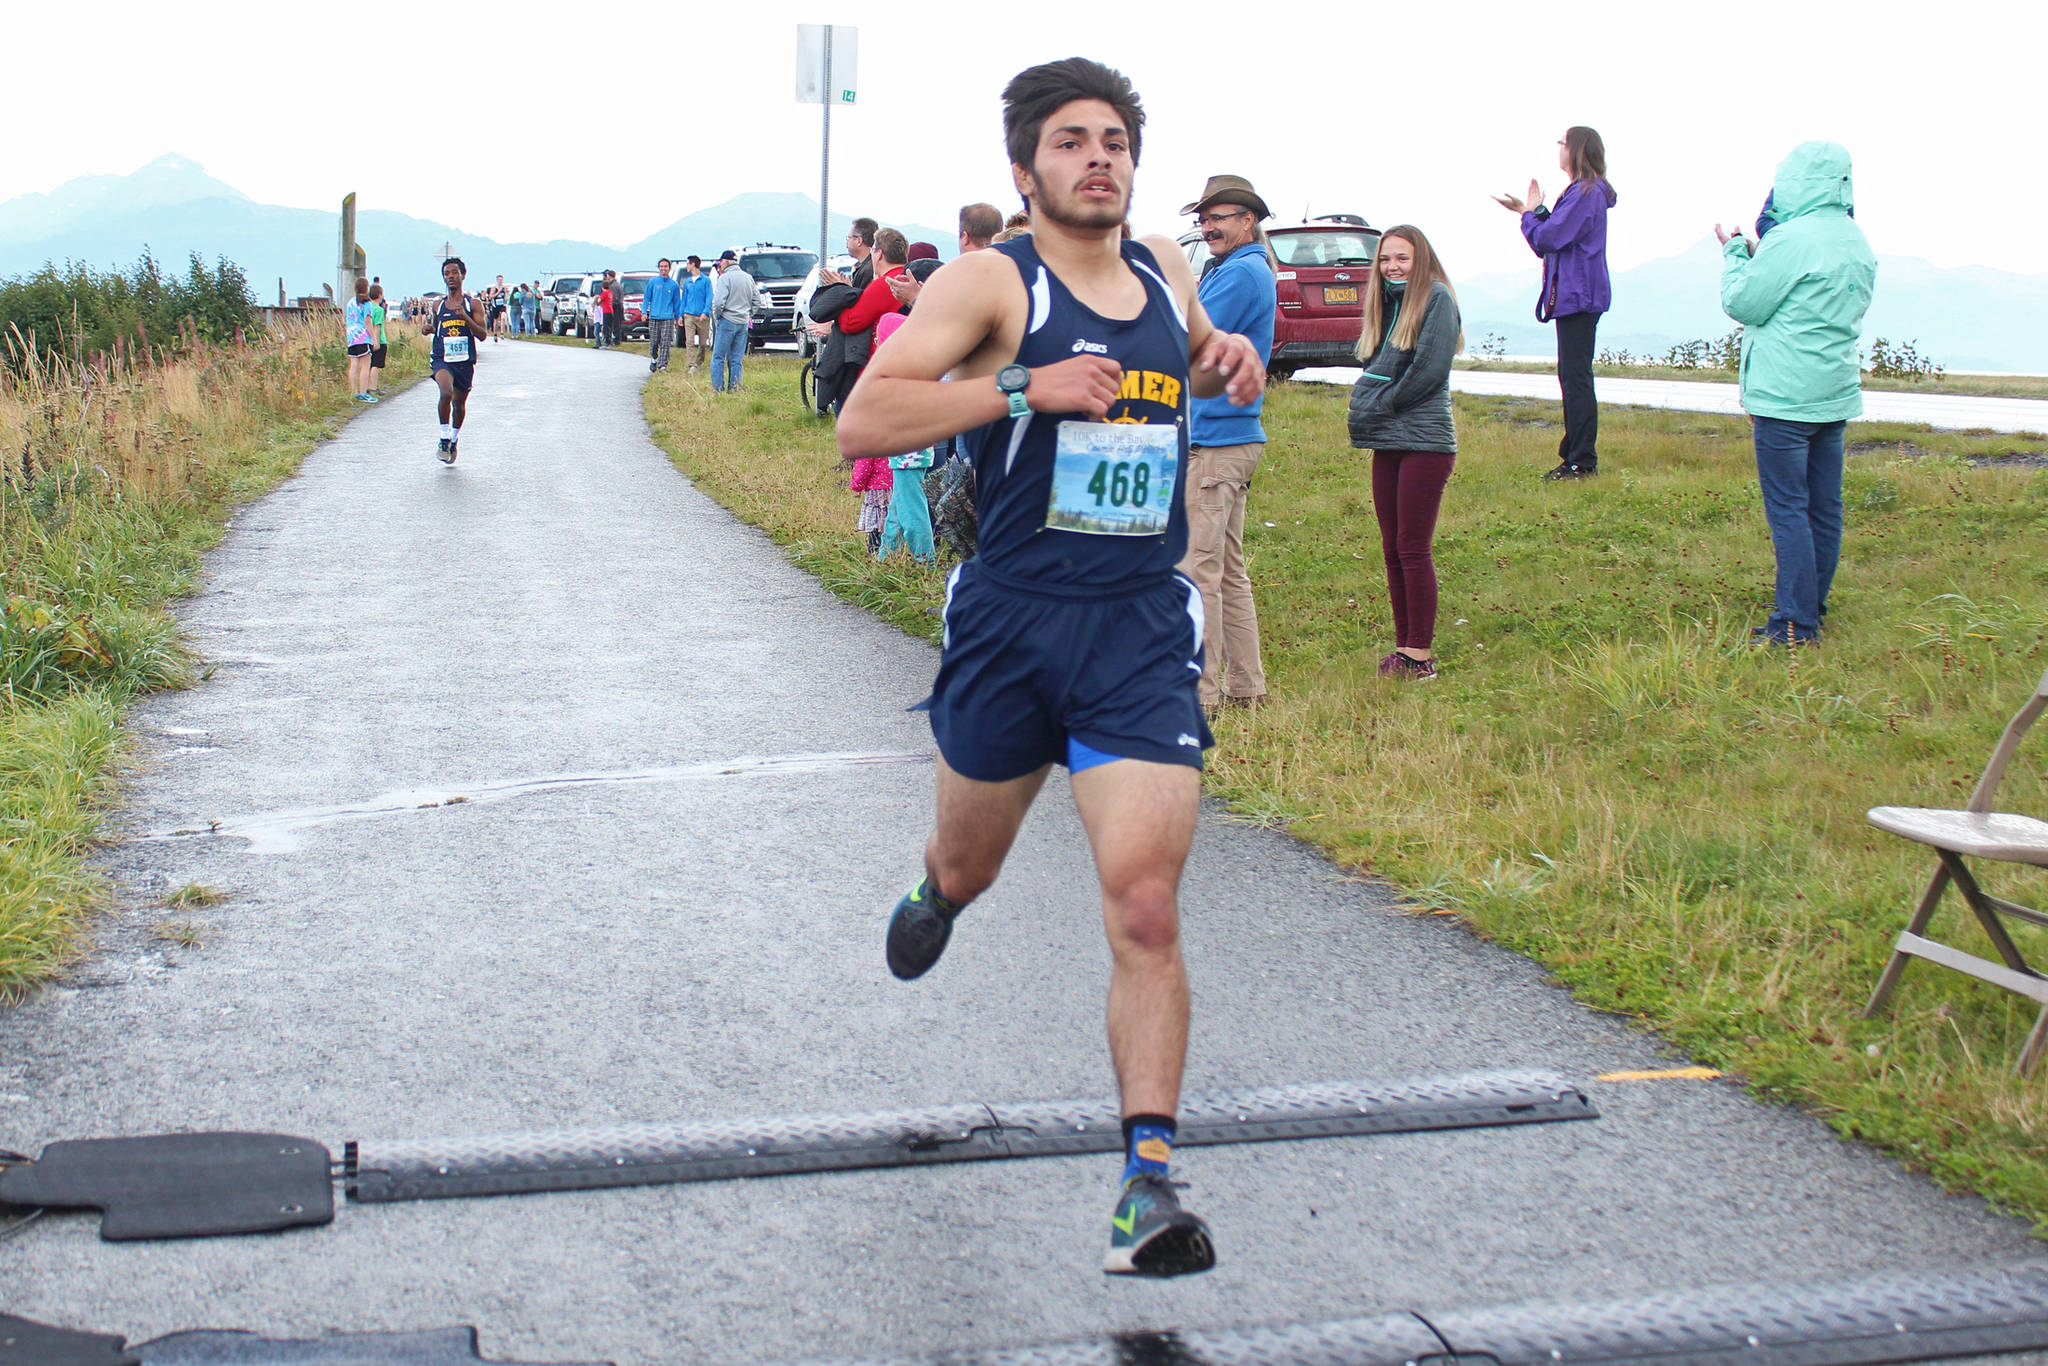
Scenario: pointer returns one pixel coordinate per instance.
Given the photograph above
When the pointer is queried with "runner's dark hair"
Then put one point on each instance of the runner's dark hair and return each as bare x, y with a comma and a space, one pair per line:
458, 263
1033, 95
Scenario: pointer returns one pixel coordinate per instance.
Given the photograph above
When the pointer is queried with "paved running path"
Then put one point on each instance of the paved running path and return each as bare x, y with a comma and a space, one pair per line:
1954, 411
683, 947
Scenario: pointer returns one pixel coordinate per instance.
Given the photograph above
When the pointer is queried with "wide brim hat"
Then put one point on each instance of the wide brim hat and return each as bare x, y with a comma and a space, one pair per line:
1229, 189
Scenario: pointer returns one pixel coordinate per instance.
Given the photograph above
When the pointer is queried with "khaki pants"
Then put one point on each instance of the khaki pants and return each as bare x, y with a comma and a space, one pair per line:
697, 332
1218, 480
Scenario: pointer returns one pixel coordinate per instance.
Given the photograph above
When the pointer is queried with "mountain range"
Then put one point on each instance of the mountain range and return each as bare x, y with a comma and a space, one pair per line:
1968, 318
174, 208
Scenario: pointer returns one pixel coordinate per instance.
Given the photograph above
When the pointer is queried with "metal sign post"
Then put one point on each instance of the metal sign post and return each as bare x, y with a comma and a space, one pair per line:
826, 60
825, 159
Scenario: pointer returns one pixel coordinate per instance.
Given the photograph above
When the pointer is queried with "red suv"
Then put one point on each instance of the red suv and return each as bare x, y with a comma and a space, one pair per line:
633, 292
1324, 267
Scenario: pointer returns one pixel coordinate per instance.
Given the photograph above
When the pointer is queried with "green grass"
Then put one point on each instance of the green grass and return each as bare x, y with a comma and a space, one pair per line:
186, 934
1606, 776
1975, 386
112, 492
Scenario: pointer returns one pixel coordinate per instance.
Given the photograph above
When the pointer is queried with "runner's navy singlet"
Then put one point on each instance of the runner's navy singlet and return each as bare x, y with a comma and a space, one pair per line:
1102, 485
452, 326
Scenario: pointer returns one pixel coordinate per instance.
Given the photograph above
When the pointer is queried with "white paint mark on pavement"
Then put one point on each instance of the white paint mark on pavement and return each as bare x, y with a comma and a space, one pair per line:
277, 832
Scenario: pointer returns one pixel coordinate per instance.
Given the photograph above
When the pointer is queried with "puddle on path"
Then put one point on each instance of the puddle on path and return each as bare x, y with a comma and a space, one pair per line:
277, 832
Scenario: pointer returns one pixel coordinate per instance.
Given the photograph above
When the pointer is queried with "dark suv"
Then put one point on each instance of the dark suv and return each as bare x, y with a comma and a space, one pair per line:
1323, 268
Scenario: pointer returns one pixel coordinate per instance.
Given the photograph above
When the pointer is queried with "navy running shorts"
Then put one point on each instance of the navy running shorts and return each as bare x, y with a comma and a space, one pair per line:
462, 372
1026, 679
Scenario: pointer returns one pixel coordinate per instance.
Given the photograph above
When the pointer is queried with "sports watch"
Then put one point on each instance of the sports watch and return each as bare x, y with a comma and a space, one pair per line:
1013, 380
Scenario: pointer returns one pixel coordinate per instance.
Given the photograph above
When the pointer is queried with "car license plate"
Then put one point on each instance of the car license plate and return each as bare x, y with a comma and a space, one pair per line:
1340, 294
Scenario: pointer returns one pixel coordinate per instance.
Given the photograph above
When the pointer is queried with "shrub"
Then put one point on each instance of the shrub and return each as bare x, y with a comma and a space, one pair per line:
80, 314
1900, 361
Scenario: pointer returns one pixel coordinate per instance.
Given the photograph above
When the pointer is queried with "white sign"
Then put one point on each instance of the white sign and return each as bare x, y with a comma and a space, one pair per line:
810, 63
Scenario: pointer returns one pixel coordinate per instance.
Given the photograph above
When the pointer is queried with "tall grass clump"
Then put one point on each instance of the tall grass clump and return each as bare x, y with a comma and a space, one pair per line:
117, 467
1607, 775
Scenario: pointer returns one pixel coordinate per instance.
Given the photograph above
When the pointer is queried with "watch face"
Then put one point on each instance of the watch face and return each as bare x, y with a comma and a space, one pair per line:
1013, 379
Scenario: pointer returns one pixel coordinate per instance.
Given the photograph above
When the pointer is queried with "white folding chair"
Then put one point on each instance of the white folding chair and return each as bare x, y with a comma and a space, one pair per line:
1976, 832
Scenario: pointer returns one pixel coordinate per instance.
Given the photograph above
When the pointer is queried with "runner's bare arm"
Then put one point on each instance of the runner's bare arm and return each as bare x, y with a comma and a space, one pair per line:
1218, 362
479, 314
902, 402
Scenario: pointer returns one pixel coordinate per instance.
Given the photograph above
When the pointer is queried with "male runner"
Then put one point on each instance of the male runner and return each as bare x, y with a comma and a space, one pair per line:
1069, 637
457, 326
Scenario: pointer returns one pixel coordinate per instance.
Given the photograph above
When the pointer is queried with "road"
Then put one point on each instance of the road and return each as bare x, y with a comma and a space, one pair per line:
1954, 411
632, 917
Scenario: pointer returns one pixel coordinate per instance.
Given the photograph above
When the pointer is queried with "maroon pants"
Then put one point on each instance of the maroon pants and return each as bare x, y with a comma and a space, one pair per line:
1407, 489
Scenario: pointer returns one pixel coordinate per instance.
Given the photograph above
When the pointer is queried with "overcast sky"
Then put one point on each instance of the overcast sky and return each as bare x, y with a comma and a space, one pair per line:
481, 115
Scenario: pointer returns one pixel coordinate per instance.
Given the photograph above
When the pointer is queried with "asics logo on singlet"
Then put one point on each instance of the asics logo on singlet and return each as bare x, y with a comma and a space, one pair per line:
1092, 348
1188, 739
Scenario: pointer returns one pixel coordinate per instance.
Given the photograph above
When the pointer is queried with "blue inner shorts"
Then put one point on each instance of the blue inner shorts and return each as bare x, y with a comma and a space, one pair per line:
1082, 757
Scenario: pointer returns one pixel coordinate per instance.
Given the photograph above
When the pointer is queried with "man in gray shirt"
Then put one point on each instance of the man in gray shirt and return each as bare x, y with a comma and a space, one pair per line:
732, 309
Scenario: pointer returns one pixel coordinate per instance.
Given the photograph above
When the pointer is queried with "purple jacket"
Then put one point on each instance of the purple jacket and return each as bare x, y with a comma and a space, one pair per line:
1572, 240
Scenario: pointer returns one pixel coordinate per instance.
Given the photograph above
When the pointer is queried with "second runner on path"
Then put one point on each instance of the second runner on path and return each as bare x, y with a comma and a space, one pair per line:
458, 324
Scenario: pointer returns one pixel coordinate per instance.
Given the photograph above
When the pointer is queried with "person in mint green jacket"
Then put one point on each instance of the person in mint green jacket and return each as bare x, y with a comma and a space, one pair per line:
1800, 295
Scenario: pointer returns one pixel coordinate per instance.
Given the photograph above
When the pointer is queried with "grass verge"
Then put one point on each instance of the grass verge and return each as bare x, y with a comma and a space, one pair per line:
115, 481
1606, 776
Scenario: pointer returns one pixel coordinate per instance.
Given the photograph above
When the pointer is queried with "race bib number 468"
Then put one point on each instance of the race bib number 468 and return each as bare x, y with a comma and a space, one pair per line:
1114, 478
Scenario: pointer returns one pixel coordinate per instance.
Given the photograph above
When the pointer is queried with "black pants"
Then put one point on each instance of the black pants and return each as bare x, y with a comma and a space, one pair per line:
1581, 442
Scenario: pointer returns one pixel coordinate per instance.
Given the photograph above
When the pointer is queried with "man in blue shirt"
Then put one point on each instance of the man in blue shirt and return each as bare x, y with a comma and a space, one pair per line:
1225, 443
696, 313
663, 304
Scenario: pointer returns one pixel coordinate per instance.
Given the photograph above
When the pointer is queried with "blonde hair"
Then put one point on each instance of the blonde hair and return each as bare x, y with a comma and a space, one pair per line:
1422, 280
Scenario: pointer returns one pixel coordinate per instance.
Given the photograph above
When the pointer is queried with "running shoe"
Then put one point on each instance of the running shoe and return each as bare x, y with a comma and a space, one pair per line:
442, 449
918, 932
1407, 668
1151, 1235
447, 452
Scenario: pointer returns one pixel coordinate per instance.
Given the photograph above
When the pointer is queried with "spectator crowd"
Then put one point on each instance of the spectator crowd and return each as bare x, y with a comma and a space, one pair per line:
1799, 286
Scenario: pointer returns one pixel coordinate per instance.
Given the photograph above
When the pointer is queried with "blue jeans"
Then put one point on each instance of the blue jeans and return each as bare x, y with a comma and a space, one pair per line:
728, 354
1799, 465
533, 321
